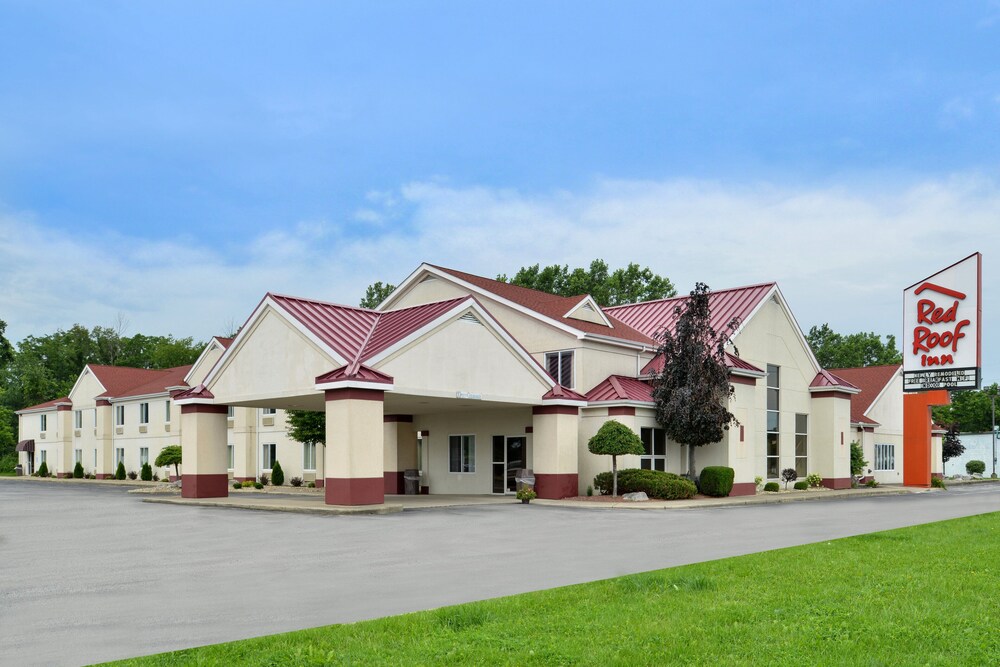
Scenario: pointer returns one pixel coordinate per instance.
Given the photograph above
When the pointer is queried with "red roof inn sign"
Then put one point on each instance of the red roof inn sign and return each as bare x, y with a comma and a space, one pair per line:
942, 317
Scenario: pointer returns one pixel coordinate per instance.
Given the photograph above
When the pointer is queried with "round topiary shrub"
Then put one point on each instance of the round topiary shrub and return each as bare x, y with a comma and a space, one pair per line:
237, 485
258, 485
277, 474
772, 487
146, 474
975, 467
801, 486
716, 481
78, 471
656, 484
120, 472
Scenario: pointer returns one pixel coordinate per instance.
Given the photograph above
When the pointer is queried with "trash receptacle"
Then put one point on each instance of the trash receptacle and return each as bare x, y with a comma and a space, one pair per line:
19, 470
411, 482
524, 477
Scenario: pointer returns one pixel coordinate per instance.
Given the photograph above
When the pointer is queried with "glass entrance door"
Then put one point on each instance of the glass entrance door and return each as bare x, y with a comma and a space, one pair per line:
510, 454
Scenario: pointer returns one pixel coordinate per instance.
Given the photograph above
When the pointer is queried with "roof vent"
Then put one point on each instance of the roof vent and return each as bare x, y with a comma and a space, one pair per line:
427, 279
469, 317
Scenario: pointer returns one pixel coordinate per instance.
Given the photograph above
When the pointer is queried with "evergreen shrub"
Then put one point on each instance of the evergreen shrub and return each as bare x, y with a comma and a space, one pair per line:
772, 487
78, 471
147, 473
716, 481
120, 472
656, 484
277, 474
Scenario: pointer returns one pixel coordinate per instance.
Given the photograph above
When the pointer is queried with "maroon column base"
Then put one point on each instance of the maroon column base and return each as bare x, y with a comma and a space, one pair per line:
65, 475
205, 486
320, 483
104, 475
744, 489
355, 490
556, 486
174, 478
393, 482
937, 475
425, 490
837, 483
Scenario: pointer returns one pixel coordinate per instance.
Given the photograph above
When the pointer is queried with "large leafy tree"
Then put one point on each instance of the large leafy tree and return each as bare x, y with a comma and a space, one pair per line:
951, 446
692, 391
628, 285
6, 349
614, 439
376, 294
306, 427
171, 455
835, 350
970, 411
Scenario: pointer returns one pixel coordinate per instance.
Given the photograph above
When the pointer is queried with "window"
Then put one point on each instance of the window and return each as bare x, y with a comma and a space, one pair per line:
773, 443
801, 445
885, 457
78, 419
308, 455
166, 411
143, 456
95, 458
43, 423
232, 457
654, 440
231, 412
119, 455
42, 457
119, 415
560, 367
144, 413
78, 456
269, 411
268, 455
462, 453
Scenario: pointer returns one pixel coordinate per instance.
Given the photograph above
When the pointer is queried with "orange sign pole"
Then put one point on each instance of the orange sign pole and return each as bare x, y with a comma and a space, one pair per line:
917, 435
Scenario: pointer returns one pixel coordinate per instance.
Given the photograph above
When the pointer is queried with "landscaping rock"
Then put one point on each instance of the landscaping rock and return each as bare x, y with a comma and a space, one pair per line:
635, 497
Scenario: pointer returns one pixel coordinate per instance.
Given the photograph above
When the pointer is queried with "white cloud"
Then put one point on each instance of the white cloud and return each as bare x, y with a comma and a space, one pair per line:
841, 254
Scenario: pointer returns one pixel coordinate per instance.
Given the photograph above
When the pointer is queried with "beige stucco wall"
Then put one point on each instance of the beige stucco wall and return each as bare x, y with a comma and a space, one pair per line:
154, 435
830, 438
204, 443
204, 363
556, 443
483, 424
354, 447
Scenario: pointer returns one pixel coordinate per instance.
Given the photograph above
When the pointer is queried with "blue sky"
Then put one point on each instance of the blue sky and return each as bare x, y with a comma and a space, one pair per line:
173, 161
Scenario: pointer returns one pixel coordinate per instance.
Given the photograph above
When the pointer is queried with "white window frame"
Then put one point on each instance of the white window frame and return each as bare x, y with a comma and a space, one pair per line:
777, 419
42, 457
77, 456
78, 419
558, 377
143, 413
119, 456
231, 412
309, 456
43, 423
143, 456
885, 457
467, 453
166, 411
95, 459
263, 458
231, 451
119, 415
805, 435
649, 461
268, 412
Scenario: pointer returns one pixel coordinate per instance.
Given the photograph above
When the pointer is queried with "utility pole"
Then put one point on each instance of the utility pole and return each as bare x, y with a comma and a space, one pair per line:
993, 416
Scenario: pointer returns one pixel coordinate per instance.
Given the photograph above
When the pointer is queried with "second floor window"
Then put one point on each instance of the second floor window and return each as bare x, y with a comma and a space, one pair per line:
119, 415
144, 413
560, 367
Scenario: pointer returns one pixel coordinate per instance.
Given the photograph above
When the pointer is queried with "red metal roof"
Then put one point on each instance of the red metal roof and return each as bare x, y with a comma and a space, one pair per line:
560, 392
732, 361
358, 334
825, 379
553, 306
45, 405
871, 380
198, 391
225, 342
621, 388
651, 317
362, 373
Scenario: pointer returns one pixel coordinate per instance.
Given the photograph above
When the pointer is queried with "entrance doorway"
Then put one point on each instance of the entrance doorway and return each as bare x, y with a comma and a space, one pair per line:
510, 454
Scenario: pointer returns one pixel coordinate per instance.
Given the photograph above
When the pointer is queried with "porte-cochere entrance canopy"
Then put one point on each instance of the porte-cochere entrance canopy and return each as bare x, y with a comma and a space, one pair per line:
438, 373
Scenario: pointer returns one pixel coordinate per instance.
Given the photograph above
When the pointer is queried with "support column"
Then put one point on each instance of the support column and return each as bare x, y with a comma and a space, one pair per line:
555, 440
399, 450
204, 436
104, 438
830, 449
917, 435
64, 431
354, 457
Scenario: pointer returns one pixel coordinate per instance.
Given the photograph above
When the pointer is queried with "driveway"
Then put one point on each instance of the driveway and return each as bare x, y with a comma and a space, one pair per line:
92, 574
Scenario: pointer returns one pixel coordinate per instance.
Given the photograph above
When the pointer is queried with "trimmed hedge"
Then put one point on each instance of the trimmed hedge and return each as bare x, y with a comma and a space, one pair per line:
656, 484
716, 481
772, 487
973, 467
801, 486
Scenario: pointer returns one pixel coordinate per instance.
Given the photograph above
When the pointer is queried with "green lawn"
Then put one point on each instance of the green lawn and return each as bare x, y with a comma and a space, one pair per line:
915, 596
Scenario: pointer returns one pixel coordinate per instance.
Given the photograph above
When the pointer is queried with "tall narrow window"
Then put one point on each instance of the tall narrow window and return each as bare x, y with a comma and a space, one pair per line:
43, 423
560, 367
232, 457
654, 441
95, 458
885, 456
462, 453
77, 456
78, 419
166, 412
43, 457
268, 455
143, 456
144, 413
308, 455
773, 444
802, 445
119, 415
230, 412
119, 455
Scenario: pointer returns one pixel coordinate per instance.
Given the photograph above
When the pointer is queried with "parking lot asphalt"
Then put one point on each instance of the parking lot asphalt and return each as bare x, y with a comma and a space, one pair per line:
92, 574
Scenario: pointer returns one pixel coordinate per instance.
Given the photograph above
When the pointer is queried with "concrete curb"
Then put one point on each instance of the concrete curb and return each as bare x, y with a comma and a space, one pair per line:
329, 510
92, 482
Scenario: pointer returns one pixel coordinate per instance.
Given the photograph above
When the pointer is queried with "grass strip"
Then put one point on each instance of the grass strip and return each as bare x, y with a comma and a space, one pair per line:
913, 596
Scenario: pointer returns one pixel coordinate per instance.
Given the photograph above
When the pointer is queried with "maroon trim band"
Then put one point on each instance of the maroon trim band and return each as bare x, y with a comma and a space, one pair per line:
529, 429
355, 490
744, 489
204, 408
831, 394
742, 379
393, 482
623, 411
556, 486
205, 486
63, 408
837, 483
555, 410
103, 402
354, 394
